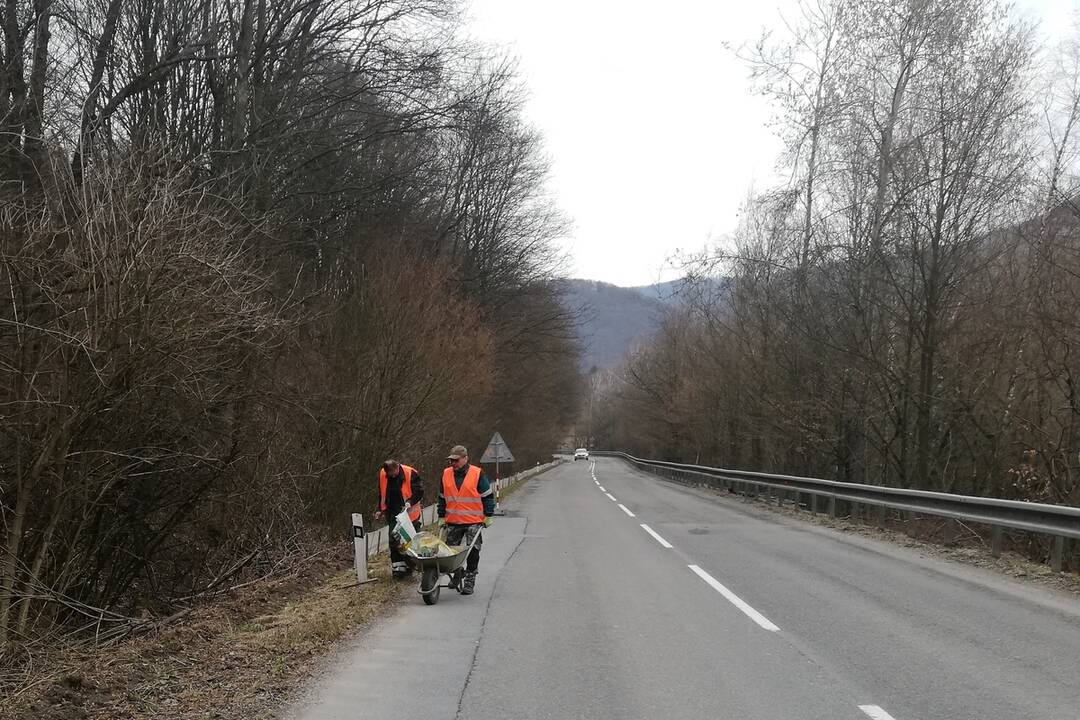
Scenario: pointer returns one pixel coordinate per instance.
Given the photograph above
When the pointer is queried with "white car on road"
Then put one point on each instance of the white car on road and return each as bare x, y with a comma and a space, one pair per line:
581, 454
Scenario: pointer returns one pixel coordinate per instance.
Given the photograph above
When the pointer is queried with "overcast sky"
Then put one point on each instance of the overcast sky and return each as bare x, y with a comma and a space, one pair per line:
654, 136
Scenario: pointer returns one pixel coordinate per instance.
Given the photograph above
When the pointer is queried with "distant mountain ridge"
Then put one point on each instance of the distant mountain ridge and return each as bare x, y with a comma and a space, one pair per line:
668, 293
613, 319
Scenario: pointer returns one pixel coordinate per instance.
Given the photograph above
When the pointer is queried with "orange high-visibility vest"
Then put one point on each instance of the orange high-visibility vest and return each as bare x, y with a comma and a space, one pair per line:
406, 491
464, 506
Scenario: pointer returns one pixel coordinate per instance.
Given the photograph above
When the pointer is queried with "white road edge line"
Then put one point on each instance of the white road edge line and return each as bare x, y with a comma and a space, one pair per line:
626, 510
601, 488
656, 537
876, 712
609, 496
735, 600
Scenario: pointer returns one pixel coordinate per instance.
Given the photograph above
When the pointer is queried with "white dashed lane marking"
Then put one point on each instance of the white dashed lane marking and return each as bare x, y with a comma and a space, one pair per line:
735, 600
656, 536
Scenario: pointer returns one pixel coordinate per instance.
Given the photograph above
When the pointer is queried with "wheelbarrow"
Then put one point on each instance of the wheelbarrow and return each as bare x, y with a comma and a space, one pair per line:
432, 568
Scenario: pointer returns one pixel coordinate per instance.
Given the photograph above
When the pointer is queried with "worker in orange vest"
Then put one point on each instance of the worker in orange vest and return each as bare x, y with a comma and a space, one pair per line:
399, 484
466, 504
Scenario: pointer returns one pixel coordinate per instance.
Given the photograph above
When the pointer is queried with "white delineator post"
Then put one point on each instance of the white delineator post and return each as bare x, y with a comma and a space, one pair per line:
498, 488
498, 480
360, 548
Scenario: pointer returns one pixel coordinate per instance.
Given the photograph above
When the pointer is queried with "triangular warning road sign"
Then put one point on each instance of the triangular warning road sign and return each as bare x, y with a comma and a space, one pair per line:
497, 451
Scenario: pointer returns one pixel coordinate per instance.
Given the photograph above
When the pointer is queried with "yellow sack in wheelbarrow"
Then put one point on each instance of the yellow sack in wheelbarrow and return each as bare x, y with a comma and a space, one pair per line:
427, 545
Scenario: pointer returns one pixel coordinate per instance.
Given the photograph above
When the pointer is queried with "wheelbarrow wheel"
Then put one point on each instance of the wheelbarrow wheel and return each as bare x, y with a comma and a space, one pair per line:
429, 585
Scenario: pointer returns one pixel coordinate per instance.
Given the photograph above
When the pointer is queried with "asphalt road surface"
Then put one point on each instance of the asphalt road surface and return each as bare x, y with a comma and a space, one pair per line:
608, 593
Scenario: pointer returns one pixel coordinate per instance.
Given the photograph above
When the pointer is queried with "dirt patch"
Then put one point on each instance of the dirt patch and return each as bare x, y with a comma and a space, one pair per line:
237, 657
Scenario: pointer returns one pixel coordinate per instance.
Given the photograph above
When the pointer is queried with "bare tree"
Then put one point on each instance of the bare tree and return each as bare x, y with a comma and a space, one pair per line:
249, 250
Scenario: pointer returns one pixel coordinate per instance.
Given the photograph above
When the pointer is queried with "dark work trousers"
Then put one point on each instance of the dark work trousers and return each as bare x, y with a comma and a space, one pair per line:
463, 535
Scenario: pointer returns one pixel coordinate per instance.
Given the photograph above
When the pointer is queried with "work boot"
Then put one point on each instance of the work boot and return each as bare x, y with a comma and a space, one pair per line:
399, 570
468, 583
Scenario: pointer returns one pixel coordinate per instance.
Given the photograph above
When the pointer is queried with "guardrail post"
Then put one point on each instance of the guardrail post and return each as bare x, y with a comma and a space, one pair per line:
813, 503
995, 541
832, 506
949, 533
1057, 554
881, 515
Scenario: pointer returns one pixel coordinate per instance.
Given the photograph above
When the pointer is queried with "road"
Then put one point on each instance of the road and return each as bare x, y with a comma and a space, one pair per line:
714, 609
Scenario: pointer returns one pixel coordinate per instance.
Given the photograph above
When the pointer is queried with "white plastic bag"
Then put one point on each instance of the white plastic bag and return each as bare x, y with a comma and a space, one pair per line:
404, 529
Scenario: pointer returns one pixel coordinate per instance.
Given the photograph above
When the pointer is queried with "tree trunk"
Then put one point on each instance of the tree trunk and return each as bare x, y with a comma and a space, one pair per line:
43, 552
9, 570
89, 120
927, 356
33, 128
15, 81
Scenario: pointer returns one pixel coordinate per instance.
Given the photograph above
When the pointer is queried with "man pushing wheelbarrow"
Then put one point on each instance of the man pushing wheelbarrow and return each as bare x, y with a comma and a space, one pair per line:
466, 504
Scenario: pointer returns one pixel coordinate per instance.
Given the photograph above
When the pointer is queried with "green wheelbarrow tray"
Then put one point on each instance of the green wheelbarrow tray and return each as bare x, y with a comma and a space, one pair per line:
431, 568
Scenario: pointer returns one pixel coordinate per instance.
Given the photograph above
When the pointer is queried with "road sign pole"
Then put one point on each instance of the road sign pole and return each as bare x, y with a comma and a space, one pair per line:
494, 455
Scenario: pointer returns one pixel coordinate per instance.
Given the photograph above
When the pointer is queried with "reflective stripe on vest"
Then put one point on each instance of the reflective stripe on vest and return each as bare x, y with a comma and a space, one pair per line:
406, 492
464, 505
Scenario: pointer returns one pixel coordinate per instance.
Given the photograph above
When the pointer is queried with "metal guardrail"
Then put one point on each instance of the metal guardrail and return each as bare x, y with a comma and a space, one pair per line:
1057, 521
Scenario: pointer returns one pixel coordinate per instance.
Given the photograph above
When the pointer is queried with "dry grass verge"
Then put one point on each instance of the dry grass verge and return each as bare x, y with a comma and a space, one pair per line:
237, 657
